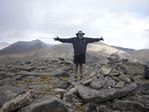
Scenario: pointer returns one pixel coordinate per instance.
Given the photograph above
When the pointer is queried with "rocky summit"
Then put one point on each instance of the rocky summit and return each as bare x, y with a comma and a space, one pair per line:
112, 84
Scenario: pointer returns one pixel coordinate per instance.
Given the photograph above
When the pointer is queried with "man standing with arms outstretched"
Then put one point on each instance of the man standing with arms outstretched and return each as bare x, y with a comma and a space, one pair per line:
79, 45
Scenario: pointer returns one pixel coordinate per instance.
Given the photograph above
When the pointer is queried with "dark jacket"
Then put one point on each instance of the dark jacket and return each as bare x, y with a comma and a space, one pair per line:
79, 44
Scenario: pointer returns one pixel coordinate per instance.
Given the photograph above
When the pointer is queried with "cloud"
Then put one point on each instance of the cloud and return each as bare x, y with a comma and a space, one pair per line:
122, 23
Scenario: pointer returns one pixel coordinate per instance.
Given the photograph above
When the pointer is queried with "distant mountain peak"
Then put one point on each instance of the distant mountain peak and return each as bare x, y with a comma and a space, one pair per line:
24, 46
37, 40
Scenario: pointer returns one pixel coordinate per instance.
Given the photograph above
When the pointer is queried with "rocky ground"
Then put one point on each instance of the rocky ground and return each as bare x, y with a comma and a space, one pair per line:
44, 85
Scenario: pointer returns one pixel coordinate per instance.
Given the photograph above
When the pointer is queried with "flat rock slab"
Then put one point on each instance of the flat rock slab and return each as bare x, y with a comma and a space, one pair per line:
130, 106
18, 102
8, 92
46, 104
88, 94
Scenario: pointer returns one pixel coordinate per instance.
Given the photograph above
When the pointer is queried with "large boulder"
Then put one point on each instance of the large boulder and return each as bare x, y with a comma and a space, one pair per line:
4, 75
17, 103
98, 83
105, 69
102, 95
133, 106
8, 92
46, 104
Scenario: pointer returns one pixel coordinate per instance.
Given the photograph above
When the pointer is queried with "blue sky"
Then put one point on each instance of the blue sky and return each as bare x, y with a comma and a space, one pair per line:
121, 22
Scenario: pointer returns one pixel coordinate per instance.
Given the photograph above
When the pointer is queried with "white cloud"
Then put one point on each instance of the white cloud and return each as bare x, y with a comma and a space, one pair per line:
121, 22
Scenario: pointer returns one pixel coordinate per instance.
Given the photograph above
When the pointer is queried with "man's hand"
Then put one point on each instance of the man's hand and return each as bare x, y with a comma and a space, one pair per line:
101, 38
57, 38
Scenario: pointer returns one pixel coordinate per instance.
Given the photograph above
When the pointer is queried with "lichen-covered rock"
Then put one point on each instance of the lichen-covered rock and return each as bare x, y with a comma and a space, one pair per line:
97, 83
130, 106
120, 84
102, 95
17, 103
105, 69
46, 104
124, 78
8, 92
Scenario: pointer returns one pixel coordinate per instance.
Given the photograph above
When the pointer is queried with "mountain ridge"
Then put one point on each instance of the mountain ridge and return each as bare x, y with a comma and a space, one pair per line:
3, 45
23, 46
39, 49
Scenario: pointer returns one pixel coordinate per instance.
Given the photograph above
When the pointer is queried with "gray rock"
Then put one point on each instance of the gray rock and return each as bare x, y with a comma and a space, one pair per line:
120, 84
7, 81
116, 78
28, 68
93, 73
90, 107
130, 106
103, 61
62, 85
61, 73
87, 81
46, 104
97, 83
144, 99
114, 57
124, 78
17, 103
103, 108
89, 94
8, 92
109, 82
114, 72
5, 75
105, 69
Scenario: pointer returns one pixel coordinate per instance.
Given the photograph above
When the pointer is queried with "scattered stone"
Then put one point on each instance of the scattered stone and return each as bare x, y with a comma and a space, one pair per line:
17, 103
7, 81
87, 82
97, 83
61, 59
114, 57
90, 107
120, 84
130, 106
72, 91
8, 92
28, 62
103, 108
105, 69
103, 61
92, 74
116, 78
124, 78
114, 72
46, 104
61, 73
102, 95
5, 75
109, 82
26, 68
62, 85
103, 83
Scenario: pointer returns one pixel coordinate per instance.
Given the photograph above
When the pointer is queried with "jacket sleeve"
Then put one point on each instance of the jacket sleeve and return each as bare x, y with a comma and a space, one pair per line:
91, 40
66, 40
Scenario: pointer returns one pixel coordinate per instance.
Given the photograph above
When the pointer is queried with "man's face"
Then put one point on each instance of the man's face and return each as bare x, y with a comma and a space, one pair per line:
80, 35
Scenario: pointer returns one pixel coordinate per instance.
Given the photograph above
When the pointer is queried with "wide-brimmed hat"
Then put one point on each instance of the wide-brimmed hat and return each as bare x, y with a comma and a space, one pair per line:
80, 32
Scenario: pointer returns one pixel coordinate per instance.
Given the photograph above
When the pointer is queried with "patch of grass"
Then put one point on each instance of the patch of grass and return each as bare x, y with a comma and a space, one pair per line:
79, 108
64, 78
146, 81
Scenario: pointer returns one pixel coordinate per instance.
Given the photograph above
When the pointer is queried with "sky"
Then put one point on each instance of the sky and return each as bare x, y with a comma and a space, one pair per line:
122, 23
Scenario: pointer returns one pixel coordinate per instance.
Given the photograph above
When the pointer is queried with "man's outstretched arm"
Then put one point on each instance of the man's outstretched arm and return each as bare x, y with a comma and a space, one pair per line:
66, 40
90, 40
